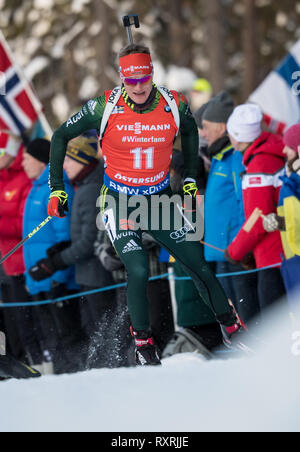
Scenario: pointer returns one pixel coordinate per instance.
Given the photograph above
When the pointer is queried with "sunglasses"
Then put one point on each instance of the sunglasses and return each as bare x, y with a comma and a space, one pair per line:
135, 81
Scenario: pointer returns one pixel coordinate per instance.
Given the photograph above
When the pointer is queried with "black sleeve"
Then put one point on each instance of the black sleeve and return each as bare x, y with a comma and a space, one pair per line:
189, 139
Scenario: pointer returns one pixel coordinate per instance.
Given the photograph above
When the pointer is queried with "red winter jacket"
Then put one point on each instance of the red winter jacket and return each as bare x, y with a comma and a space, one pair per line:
14, 189
264, 162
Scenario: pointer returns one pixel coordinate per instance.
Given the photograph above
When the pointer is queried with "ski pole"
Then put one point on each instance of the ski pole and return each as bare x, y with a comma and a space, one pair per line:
212, 246
35, 231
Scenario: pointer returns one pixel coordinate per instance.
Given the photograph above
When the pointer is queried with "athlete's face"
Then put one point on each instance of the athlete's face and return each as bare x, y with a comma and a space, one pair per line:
140, 92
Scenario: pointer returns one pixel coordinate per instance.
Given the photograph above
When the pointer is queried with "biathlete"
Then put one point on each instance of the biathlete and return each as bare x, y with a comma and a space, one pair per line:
137, 124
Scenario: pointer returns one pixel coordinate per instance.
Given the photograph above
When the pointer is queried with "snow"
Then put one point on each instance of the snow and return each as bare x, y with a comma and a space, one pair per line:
60, 106
35, 66
43, 4
185, 394
78, 5
89, 88
180, 78
64, 40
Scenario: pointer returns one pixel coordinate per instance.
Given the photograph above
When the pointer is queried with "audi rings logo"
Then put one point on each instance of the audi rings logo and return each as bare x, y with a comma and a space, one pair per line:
181, 233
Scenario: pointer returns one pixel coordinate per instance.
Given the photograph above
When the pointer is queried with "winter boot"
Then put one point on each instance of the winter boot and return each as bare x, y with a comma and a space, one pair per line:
146, 352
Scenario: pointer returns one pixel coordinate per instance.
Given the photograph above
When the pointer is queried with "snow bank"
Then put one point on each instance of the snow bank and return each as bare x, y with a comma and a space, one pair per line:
184, 395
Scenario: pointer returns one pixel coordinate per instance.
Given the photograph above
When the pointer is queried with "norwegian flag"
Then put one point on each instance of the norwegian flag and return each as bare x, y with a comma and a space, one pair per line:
19, 107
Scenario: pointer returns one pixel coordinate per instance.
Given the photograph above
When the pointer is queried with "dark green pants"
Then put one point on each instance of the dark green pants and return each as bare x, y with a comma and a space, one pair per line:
125, 227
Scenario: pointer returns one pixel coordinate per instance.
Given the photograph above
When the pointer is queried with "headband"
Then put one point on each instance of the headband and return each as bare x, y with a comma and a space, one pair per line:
135, 64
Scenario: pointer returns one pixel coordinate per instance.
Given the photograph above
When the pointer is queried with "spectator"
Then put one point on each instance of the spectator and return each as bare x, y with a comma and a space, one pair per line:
86, 175
200, 93
224, 210
46, 318
288, 218
264, 162
14, 188
9, 147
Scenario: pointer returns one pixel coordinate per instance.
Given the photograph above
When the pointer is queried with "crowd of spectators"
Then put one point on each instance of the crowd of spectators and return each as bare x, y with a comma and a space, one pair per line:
243, 170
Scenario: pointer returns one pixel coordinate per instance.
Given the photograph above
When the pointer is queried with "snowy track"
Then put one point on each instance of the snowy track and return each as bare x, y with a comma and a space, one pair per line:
184, 395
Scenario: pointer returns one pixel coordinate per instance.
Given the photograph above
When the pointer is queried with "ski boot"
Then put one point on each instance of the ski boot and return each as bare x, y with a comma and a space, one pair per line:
235, 334
146, 352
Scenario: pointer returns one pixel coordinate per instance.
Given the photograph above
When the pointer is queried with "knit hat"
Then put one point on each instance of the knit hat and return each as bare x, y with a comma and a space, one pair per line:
202, 85
198, 115
291, 137
219, 108
84, 148
244, 125
39, 149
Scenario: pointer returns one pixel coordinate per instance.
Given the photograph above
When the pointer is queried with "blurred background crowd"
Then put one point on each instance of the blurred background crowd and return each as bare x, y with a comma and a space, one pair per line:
217, 53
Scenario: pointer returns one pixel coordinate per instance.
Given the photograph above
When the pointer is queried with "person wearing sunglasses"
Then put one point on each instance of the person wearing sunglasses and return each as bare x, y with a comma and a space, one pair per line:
137, 125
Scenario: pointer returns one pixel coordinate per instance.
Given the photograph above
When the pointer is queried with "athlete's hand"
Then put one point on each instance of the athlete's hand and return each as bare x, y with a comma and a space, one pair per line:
190, 189
58, 204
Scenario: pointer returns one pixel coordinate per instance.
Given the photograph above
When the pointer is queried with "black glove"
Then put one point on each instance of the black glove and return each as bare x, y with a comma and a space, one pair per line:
45, 268
248, 262
57, 248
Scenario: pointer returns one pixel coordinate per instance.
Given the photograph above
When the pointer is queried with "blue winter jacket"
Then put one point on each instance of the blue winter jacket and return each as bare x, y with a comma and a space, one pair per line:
224, 209
57, 230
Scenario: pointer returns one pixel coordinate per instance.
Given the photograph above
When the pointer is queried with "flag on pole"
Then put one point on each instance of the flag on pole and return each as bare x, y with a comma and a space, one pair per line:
279, 93
19, 106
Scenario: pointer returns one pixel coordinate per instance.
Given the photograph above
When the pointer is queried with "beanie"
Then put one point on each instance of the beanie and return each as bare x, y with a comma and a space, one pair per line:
84, 148
202, 85
219, 108
244, 125
39, 149
198, 115
291, 138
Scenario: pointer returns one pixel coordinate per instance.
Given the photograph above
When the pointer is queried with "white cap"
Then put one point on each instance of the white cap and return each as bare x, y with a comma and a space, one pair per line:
244, 124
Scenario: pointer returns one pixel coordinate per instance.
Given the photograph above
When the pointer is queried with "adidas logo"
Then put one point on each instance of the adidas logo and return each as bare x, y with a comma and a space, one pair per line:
131, 246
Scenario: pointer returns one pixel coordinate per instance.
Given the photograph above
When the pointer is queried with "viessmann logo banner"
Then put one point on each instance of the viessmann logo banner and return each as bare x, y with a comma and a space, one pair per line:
138, 128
